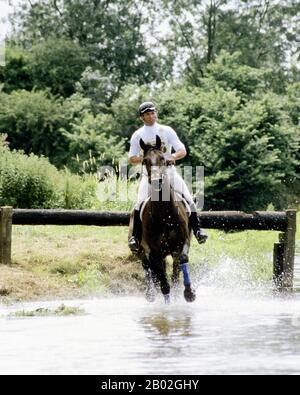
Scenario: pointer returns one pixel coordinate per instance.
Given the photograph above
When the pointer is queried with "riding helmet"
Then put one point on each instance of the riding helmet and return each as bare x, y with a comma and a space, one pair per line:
146, 107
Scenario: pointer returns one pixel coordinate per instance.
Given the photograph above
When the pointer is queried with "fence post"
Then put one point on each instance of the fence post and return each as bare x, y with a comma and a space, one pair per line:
289, 251
278, 264
5, 235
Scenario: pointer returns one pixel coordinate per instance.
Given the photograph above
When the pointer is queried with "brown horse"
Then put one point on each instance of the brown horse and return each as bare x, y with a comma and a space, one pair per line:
166, 230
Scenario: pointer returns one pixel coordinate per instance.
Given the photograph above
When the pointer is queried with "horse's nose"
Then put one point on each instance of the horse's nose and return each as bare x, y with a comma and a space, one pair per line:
155, 173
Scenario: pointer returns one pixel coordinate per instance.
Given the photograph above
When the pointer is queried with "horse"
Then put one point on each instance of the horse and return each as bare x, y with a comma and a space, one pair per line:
165, 228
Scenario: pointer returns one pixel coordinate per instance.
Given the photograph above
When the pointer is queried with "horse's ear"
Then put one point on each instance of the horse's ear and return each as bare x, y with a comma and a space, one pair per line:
158, 142
143, 145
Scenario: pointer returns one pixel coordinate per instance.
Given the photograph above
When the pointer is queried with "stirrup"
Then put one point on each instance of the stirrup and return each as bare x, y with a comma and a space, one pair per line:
134, 244
201, 236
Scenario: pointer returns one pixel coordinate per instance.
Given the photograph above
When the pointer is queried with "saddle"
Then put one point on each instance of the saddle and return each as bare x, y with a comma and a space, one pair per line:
179, 198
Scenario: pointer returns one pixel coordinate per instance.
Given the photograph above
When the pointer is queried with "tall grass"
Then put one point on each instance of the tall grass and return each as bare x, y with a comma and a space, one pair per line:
116, 194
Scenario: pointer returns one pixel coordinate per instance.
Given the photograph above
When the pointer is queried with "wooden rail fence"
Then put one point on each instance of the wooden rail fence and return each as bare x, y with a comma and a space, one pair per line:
283, 222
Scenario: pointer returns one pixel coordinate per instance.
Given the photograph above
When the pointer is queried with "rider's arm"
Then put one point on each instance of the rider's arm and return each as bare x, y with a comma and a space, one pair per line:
135, 149
180, 154
180, 150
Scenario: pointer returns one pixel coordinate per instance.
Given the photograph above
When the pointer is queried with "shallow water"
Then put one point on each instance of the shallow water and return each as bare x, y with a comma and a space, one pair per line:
225, 331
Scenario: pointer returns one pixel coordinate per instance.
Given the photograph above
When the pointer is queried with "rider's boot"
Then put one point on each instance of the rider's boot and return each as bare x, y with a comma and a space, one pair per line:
200, 235
135, 239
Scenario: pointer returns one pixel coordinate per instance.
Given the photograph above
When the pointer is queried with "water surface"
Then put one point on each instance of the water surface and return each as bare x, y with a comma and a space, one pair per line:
225, 331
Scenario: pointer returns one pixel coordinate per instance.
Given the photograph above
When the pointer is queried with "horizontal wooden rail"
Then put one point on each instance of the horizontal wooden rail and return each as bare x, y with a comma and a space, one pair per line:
230, 220
69, 217
237, 220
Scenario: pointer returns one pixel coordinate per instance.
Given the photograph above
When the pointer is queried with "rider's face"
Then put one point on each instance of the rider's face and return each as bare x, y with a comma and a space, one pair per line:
149, 118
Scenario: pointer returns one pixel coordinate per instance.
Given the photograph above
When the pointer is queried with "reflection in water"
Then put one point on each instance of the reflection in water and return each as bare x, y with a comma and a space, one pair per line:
167, 331
167, 325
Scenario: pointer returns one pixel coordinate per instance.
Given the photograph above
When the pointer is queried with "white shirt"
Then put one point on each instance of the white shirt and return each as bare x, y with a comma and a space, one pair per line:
167, 135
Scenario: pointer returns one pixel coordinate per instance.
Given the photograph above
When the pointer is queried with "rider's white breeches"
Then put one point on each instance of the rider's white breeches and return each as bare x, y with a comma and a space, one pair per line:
176, 182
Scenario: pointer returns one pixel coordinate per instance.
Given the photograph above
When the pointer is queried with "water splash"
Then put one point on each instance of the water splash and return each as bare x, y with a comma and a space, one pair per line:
233, 277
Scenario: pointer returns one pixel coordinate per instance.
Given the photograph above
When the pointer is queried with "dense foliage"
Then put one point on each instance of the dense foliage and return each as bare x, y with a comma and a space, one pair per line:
29, 181
225, 75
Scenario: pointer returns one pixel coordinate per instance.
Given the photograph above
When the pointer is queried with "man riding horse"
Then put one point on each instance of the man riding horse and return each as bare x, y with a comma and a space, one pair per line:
169, 140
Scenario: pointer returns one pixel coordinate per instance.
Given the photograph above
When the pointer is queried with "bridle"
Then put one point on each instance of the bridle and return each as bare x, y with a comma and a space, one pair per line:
157, 173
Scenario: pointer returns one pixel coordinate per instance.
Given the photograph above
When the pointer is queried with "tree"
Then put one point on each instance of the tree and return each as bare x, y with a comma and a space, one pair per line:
265, 33
231, 73
99, 88
245, 138
247, 155
110, 32
32, 121
91, 145
56, 64
15, 74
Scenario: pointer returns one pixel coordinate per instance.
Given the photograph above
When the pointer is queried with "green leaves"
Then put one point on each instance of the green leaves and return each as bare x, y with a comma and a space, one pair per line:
245, 138
26, 181
63, 35
32, 121
91, 145
56, 64
32, 182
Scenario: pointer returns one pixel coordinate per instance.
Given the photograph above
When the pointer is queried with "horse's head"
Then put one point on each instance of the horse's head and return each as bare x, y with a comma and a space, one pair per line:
154, 161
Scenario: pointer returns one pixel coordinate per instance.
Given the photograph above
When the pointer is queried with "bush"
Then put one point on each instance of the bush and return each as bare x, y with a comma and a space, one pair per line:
32, 121
26, 181
76, 192
32, 182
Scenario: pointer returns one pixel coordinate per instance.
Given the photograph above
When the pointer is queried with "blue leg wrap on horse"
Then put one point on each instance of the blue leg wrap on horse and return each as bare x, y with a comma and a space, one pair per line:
167, 298
186, 276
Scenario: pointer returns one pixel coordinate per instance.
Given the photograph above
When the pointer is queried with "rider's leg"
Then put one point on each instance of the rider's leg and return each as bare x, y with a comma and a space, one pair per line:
136, 237
181, 188
199, 233
137, 231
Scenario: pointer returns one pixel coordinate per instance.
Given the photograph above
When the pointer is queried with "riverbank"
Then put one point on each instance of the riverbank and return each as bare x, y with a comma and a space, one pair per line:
55, 262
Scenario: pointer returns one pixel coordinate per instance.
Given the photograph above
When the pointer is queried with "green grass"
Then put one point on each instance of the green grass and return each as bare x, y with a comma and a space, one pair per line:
61, 311
252, 250
69, 261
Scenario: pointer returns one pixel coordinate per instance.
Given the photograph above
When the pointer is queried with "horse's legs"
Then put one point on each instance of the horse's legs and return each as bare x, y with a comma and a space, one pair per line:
176, 271
150, 292
189, 293
159, 274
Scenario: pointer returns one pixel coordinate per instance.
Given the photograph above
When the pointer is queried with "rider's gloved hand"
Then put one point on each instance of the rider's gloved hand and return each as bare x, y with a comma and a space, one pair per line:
170, 160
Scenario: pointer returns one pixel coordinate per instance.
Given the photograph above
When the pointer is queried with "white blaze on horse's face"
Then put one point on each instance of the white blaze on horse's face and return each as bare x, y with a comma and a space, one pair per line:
156, 168
156, 173
155, 164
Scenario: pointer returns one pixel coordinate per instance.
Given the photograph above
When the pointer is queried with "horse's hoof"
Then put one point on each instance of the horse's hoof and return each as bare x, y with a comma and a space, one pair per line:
189, 294
167, 298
